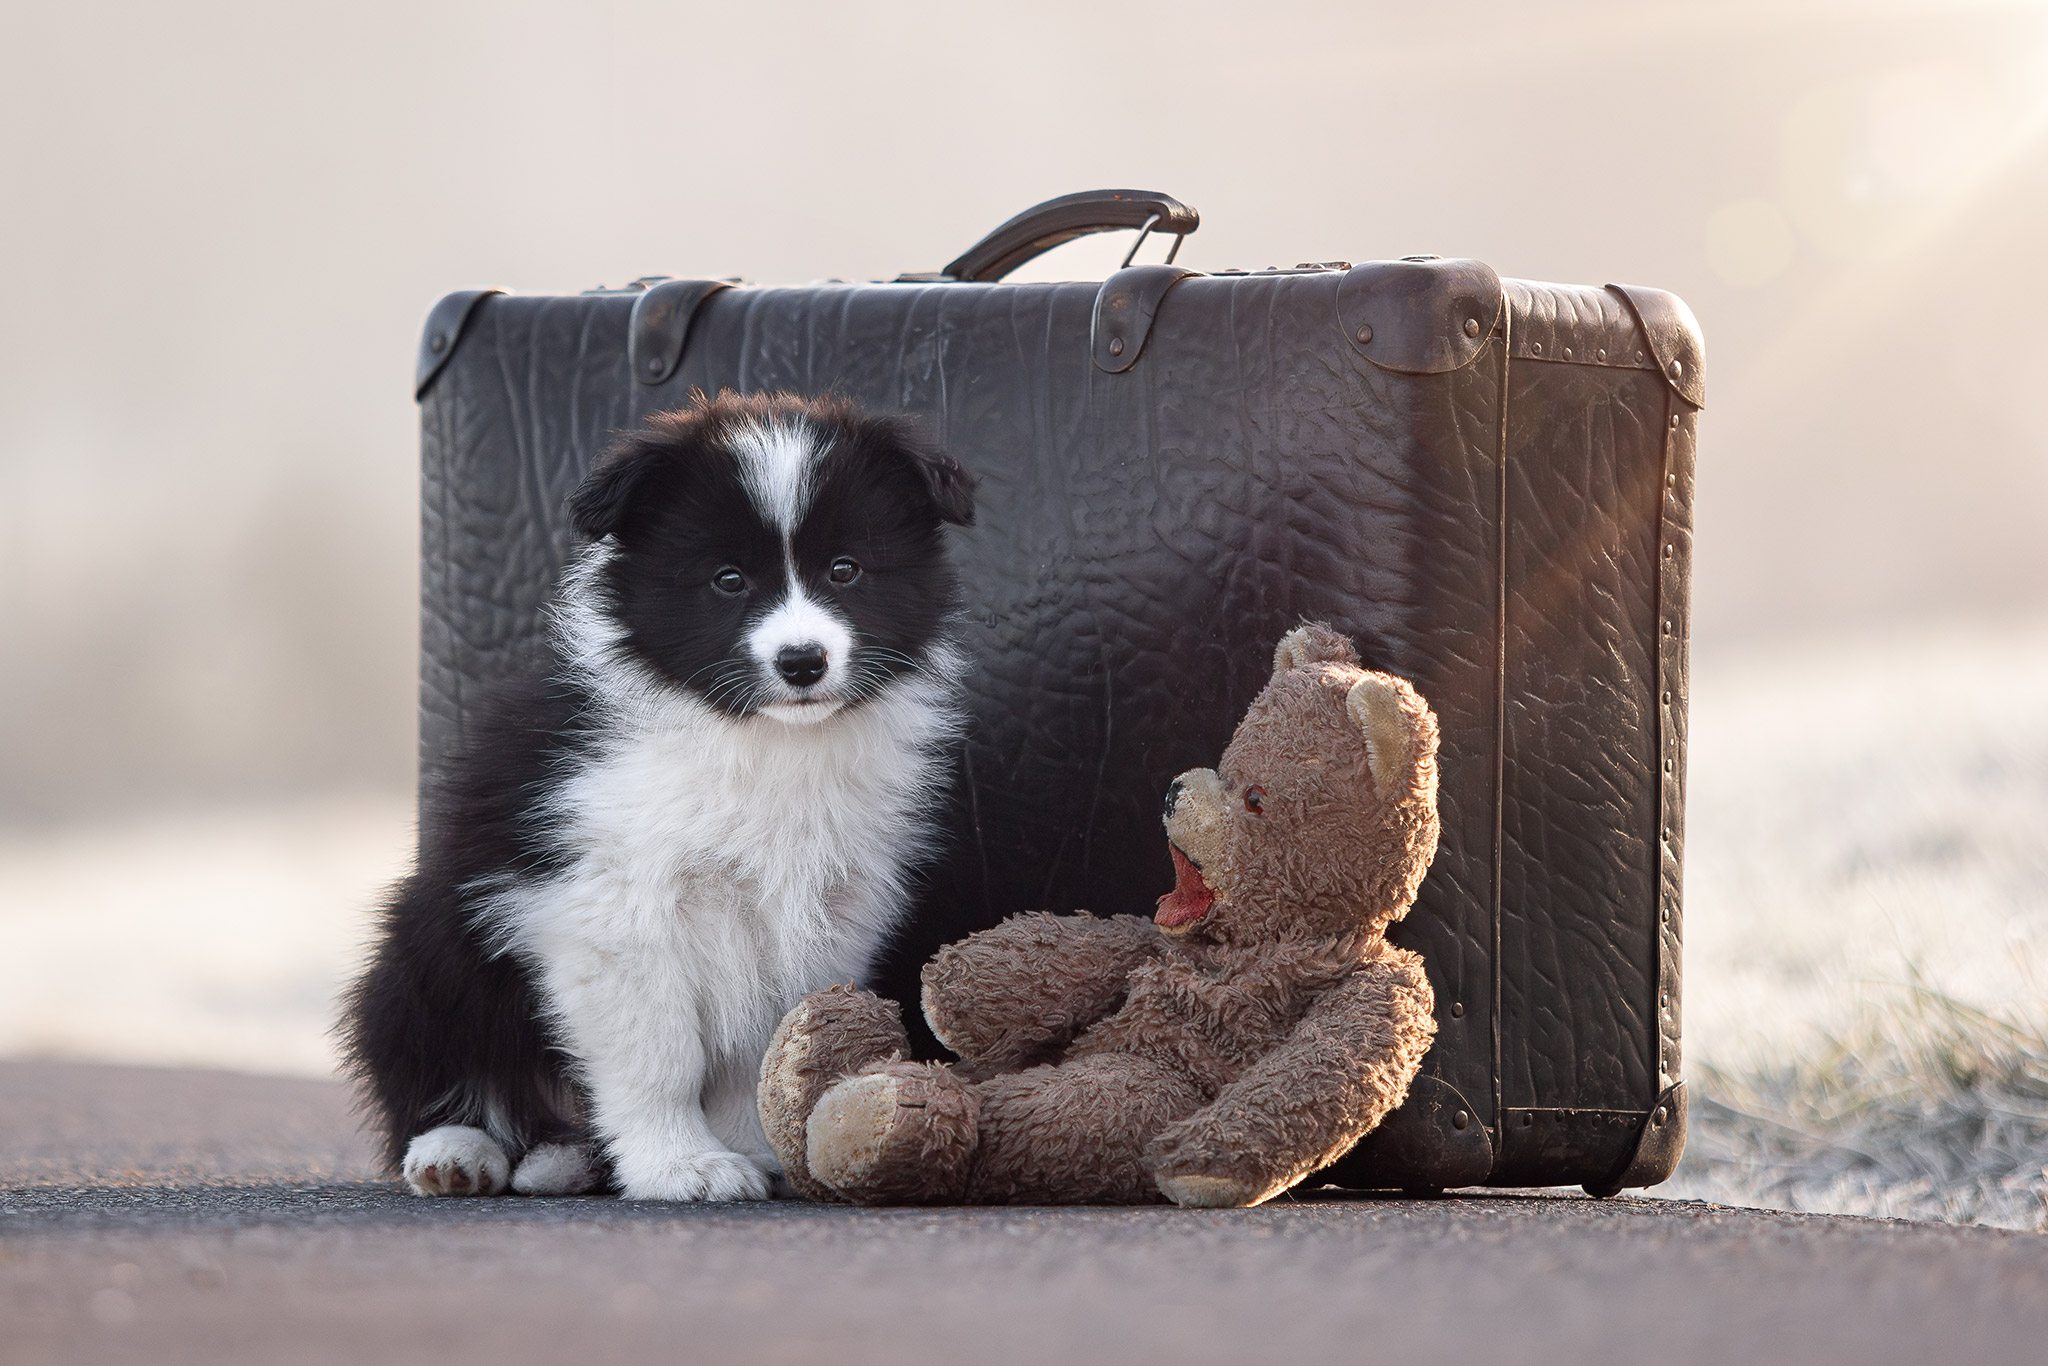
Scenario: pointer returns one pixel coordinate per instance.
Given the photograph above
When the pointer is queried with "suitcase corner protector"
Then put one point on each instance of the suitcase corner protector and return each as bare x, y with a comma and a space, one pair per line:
1674, 338
446, 322
1659, 1145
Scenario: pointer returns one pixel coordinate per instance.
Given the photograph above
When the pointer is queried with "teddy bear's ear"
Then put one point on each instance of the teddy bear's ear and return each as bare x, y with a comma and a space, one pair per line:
1386, 709
1312, 643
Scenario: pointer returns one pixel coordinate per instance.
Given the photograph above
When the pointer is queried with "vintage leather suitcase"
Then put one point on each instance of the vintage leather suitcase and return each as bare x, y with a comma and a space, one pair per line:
1487, 483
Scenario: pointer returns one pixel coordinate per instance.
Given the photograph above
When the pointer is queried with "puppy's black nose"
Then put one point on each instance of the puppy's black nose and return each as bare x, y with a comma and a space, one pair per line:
1173, 796
800, 665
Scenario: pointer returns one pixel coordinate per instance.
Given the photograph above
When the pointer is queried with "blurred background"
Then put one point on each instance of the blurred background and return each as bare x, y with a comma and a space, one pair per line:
225, 220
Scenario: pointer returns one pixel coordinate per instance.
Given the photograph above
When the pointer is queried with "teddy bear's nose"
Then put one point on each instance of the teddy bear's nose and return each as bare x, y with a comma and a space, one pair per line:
1173, 794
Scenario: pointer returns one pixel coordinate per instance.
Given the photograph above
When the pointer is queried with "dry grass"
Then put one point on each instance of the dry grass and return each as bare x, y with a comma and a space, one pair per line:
1932, 1110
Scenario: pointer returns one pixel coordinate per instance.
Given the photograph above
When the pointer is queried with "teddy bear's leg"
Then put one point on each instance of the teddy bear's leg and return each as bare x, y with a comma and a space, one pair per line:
828, 1035
901, 1133
1075, 1133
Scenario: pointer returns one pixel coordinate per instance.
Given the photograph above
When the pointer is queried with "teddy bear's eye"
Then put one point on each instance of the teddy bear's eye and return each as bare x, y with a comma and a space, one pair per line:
1255, 799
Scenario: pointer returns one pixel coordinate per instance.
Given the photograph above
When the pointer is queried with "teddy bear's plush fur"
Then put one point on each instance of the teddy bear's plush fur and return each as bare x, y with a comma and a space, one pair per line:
1252, 1031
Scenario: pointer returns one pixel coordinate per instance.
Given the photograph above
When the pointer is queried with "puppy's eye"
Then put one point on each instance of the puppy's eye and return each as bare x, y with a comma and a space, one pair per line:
729, 581
1255, 799
844, 571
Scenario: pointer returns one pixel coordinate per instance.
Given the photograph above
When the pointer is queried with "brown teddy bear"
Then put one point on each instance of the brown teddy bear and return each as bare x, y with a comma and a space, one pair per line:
1248, 1034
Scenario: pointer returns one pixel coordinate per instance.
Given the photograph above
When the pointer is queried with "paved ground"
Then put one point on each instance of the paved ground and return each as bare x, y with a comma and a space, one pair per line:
201, 1217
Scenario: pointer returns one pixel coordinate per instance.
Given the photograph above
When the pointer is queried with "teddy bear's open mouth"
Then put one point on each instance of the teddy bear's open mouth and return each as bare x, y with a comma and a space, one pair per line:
1190, 898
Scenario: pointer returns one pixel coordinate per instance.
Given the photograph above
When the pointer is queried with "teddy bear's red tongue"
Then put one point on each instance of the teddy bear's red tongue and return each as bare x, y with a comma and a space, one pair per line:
1189, 900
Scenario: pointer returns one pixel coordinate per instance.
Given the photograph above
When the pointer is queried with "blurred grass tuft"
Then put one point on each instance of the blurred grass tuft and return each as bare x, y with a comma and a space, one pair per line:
1931, 1110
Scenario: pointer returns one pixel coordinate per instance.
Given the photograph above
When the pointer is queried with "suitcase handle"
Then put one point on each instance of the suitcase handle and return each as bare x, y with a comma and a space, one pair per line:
1042, 227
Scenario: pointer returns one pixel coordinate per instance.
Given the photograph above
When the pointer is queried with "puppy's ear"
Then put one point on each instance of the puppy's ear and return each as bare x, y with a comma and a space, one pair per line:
946, 482
599, 504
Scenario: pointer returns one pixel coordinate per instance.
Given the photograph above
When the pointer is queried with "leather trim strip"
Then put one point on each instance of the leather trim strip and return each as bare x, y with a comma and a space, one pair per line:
1674, 576
1500, 707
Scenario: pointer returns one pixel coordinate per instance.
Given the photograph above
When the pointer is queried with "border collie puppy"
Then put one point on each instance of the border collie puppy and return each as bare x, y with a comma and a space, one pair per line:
708, 803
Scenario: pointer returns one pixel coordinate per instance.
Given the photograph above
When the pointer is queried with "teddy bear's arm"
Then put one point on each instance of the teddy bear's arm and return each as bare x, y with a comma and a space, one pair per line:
1346, 1065
1013, 996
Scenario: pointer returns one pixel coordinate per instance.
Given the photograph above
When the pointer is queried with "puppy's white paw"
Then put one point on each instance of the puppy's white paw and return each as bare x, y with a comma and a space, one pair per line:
770, 1167
694, 1176
556, 1169
455, 1160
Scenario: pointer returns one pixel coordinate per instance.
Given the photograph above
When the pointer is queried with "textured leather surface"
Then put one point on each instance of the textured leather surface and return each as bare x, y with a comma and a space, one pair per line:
1143, 538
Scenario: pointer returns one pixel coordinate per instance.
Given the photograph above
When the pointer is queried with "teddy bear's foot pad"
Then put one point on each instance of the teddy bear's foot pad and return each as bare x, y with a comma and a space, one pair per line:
827, 1036
902, 1133
1212, 1192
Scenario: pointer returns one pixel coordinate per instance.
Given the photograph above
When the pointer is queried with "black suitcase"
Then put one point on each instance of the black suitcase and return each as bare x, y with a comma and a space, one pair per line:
1486, 483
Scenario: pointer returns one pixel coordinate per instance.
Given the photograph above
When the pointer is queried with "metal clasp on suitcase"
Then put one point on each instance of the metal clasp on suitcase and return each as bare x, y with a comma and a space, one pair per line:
1144, 232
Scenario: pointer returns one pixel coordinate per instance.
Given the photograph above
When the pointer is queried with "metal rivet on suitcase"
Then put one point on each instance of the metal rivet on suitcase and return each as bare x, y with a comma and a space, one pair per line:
1674, 422
1603, 353
1667, 697
1460, 1120
1365, 335
1471, 327
1665, 915
439, 343
1567, 353
1661, 1115
653, 365
1536, 348
1116, 346
1677, 369
1457, 1010
1527, 1119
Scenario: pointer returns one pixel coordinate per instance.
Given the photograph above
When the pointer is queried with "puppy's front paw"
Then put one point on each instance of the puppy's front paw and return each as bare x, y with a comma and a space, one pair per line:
455, 1160
710, 1176
558, 1169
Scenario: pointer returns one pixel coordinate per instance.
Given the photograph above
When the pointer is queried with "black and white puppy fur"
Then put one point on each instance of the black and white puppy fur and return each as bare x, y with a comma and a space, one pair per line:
708, 803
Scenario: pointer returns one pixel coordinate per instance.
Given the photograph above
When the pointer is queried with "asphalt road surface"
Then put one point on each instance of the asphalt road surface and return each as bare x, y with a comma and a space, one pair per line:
176, 1216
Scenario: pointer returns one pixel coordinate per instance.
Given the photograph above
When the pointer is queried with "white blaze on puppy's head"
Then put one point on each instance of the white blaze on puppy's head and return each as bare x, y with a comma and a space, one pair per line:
776, 461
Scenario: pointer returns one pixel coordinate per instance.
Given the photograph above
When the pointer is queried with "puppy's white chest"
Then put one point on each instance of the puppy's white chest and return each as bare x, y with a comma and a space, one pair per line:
715, 873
